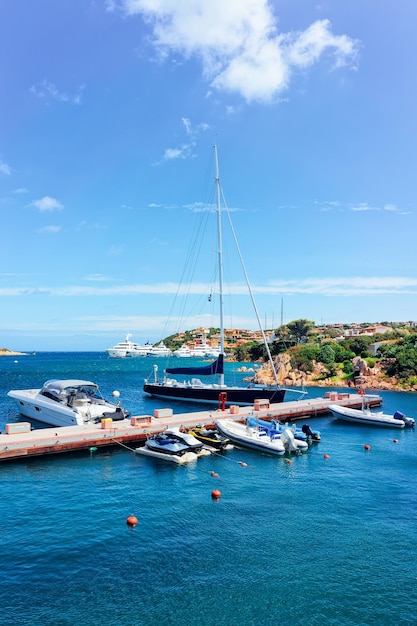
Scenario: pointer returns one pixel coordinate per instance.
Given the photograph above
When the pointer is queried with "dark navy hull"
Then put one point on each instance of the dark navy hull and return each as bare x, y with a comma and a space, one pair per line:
209, 395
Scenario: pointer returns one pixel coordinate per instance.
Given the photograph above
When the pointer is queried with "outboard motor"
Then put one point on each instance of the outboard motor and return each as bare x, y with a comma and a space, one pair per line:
311, 435
288, 440
408, 421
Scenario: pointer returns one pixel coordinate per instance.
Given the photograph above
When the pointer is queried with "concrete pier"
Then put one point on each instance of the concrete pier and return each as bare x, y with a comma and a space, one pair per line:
17, 444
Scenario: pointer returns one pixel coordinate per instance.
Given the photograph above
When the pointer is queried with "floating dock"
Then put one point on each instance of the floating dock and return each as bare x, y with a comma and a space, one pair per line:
20, 442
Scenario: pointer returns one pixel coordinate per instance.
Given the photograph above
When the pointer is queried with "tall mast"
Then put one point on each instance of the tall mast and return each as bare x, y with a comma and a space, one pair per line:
220, 257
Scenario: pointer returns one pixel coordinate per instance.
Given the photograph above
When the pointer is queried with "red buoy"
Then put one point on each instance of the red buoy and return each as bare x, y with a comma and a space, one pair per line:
288, 460
243, 464
214, 475
215, 494
367, 446
132, 520
326, 456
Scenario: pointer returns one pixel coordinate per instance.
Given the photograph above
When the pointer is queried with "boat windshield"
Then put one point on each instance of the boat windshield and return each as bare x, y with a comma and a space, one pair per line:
61, 390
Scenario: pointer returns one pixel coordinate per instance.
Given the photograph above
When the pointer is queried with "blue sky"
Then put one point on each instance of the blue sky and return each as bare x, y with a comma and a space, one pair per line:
108, 113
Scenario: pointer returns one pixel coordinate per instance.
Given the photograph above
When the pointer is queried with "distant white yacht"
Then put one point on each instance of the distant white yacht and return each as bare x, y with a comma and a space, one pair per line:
183, 352
160, 350
127, 348
201, 350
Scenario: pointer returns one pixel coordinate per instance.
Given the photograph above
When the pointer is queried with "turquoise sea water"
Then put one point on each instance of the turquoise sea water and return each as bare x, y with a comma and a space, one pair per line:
314, 541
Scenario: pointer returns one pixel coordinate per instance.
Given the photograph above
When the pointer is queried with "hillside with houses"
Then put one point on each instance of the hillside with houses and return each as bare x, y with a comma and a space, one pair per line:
378, 356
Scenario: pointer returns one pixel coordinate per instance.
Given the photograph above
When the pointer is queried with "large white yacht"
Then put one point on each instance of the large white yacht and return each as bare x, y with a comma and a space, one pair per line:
183, 352
66, 403
128, 348
201, 350
160, 350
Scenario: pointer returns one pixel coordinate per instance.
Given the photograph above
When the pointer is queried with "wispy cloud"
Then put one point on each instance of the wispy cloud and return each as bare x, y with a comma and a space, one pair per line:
47, 204
333, 286
84, 225
186, 149
238, 43
21, 190
50, 230
115, 250
48, 92
98, 278
5, 169
359, 207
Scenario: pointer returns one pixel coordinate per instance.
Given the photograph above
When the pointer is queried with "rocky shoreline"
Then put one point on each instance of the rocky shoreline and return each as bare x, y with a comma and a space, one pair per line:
364, 377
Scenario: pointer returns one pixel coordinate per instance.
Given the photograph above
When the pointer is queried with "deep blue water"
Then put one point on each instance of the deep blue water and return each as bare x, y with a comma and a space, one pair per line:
315, 541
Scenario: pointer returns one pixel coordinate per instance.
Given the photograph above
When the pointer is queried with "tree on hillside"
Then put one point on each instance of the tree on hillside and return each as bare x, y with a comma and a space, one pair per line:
359, 345
326, 354
403, 357
302, 356
300, 329
282, 340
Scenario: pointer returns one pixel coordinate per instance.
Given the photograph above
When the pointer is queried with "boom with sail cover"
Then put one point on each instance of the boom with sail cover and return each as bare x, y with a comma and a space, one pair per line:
217, 367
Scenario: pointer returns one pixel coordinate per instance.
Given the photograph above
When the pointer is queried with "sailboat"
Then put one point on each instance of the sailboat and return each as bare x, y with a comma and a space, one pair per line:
194, 389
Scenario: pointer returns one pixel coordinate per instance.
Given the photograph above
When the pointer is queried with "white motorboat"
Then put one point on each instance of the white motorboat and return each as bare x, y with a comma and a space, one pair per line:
255, 438
370, 418
161, 350
128, 348
302, 437
66, 403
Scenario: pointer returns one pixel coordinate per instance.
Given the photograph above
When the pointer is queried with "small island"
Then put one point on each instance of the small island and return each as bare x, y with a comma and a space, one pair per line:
7, 352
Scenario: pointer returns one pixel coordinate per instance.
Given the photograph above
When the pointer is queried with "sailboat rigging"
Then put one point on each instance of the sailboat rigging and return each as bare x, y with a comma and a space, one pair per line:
195, 390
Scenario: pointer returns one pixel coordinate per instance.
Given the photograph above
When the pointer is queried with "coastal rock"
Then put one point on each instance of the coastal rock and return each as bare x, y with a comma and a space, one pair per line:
364, 376
360, 367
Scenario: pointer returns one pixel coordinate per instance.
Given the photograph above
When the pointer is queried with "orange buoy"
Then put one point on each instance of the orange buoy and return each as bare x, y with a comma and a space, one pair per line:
132, 520
367, 446
395, 440
243, 464
326, 456
215, 494
288, 460
214, 475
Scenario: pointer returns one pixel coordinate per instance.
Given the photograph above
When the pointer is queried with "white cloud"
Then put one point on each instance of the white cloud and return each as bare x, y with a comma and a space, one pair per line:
98, 278
238, 43
305, 48
185, 150
176, 153
48, 91
360, 207
20, 190
50, 230
363, 207
334, 286
5, 169
47, 204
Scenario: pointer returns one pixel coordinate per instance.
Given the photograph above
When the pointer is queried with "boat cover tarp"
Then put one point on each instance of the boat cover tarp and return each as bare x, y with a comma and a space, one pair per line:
217, 367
